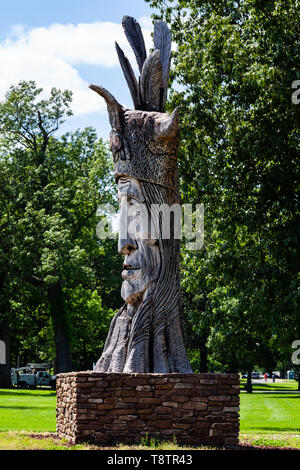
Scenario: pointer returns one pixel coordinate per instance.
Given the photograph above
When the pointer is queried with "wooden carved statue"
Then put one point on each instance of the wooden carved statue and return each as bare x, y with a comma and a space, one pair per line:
146, 333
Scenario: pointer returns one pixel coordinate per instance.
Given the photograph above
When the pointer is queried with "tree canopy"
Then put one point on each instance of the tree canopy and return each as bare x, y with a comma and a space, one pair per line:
234, 66
51, 257
234, 63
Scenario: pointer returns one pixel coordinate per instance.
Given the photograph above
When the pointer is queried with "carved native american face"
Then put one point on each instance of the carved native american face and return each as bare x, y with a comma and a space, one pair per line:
144, 144
146, 334
141, 252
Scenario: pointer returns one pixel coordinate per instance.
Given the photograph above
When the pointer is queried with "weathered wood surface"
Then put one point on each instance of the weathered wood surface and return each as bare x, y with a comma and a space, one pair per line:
146, 333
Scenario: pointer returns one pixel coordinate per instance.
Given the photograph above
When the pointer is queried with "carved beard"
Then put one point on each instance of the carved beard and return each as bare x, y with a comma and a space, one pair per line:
156, 340
151, 339
137, 282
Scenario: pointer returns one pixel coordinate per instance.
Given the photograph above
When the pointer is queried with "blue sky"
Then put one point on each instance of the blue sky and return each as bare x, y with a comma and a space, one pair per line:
69, 44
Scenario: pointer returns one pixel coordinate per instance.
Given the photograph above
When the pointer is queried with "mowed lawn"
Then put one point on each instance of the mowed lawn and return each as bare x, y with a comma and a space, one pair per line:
27, 410
261, 412
270, 408
270, 413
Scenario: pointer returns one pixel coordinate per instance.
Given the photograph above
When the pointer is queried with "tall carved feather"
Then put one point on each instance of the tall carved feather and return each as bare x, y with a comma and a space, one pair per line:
163, 41
129, 76
151, 82
135, 38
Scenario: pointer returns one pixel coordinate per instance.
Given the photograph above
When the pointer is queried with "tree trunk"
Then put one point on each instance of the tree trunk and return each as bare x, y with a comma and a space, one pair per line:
61, 337
203, 353
5, 378
86, 364
249, 382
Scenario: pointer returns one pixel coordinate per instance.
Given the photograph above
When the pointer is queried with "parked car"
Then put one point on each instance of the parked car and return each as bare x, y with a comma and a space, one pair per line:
24, 378
254, 375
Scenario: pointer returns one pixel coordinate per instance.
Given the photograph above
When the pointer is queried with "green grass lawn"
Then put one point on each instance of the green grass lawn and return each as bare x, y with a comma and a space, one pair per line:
266, 412
14, 440
265, 418
270, 386
276, 412
27, 410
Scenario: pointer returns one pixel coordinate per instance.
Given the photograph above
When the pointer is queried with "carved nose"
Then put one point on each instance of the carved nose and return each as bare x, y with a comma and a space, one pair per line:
125, 246
126, 241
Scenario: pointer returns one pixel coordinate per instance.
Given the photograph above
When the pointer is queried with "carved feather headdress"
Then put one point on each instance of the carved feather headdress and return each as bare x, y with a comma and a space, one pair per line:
144, 141
149, 92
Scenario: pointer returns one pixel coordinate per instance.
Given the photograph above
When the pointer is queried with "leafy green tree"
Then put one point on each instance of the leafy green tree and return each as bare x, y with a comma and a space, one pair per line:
51, 191
234, 65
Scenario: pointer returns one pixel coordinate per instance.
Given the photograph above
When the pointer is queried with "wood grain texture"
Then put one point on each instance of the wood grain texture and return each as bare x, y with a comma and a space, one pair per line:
113, 107
152, 82
129, 76
135, 38
162, 42
146, 335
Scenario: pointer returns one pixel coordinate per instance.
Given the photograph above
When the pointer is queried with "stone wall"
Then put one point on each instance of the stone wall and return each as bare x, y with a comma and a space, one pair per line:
106, 408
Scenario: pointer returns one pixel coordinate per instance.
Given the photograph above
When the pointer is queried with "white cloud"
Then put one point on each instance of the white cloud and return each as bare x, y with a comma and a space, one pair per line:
50, 57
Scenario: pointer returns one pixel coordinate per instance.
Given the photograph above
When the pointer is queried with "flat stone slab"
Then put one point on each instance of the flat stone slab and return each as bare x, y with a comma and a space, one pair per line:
109, 408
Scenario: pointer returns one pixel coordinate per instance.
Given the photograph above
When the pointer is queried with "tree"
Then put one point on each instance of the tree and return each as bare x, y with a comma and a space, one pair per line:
52, 189
235, 63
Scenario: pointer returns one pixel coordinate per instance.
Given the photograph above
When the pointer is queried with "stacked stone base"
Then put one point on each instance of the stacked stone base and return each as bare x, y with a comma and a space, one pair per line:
106, 409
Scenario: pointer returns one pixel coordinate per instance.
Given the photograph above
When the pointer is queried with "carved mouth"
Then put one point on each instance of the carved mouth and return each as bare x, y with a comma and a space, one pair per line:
129, 270
129, 267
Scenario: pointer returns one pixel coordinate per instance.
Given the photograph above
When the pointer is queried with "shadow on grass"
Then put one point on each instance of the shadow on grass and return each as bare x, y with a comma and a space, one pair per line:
26, 407
24, 393
271, 393
269, 429
274, 388
275, 395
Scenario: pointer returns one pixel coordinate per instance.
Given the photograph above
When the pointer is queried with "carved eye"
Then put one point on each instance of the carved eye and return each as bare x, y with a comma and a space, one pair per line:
115, 140
132, 201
